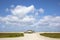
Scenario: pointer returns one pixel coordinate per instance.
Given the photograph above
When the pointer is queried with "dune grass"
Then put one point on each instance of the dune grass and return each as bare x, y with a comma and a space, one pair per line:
51, 35
10, 35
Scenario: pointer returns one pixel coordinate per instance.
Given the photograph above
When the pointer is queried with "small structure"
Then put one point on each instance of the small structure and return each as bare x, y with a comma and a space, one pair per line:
29, 31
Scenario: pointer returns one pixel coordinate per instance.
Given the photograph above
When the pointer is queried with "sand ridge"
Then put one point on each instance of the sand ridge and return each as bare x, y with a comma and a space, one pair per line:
33, 36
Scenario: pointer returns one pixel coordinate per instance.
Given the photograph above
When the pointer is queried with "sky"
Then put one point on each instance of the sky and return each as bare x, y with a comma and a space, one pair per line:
37, 15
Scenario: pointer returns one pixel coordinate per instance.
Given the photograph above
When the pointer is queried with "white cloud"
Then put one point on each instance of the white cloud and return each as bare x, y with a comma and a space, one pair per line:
28, 19
20, 18
50, 21
22, 10
41, 10
14, 20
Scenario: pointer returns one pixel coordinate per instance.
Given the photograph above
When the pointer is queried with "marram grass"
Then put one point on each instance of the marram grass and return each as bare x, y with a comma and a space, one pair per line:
51, 35
10, 35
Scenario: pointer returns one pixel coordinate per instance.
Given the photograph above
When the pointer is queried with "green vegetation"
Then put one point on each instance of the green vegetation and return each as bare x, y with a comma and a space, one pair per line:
51, 35
8, 35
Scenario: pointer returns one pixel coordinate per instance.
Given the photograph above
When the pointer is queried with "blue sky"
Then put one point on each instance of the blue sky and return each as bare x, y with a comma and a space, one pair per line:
21, 15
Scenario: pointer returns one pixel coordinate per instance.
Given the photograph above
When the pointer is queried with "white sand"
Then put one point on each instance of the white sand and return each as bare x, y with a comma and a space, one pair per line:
33, 36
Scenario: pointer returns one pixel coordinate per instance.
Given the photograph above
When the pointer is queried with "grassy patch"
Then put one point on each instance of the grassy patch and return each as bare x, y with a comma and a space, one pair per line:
8, 35
51, 35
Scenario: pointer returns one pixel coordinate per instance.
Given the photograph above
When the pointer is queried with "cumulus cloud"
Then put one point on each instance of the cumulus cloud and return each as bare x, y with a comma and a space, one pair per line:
41, 10
50, 21
14, 20
22, 10
28, 19
20, 17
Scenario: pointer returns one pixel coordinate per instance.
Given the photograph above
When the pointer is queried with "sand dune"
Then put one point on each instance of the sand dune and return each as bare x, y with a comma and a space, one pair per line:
33, 36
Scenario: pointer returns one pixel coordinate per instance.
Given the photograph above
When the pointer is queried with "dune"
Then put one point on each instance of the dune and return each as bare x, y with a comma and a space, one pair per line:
33, 36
